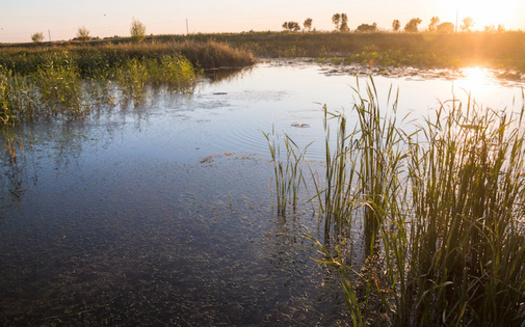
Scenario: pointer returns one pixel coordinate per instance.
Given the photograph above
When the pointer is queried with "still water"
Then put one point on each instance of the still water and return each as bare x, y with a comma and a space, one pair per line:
163, 214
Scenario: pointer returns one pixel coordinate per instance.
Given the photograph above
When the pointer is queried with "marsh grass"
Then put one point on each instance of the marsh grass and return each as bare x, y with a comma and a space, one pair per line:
442, 212
288, 172
72, 80
422, 50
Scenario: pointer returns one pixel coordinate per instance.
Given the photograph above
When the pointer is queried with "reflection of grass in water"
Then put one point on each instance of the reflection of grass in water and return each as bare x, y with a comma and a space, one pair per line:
442, 211
44, 82
71, 82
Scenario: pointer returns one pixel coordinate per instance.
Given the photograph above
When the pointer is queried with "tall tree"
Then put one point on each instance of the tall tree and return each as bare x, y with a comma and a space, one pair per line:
411, 26
308, 24
344, 23
433, 23
396, 25
468, 23
292, 26
336, 18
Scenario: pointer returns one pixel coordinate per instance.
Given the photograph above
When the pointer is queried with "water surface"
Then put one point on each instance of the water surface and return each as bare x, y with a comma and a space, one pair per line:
163, 214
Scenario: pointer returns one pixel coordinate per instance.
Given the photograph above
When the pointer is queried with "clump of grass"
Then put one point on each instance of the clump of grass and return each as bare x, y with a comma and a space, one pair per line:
468, 188
173, 72
288, 174
60, 86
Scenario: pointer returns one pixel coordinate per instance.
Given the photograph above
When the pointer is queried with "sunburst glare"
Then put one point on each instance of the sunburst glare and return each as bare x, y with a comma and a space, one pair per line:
475, 80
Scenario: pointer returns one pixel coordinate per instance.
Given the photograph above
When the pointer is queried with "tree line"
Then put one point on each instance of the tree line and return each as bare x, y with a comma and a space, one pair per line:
340, 21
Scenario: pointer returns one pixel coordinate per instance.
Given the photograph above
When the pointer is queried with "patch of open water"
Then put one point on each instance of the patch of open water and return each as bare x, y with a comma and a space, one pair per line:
163, 215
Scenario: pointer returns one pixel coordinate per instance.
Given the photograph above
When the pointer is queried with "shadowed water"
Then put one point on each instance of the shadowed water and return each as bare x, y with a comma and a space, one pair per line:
163, 214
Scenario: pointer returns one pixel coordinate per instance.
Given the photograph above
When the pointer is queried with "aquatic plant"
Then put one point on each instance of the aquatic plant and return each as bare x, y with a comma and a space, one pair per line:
73, 80
288, 173
442, 212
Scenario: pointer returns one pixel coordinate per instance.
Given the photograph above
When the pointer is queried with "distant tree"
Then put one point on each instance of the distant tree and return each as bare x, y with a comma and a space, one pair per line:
396, 25
37, 37
489, 28
344, 23
445, 27
468, 23
501, 28
308, 24
83, 34
411, 26
292, 26
336, 18
365, 28
137, 30
433, 22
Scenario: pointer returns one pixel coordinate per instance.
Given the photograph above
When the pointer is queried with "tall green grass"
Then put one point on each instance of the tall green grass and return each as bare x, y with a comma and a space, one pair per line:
72, 81
442, 211
289, 176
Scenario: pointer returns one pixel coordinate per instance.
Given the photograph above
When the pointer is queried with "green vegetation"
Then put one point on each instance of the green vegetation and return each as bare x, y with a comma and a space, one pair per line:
291, 26
37, 37
411, 26
396, 25
433, 23
366, 28
137, 30
72, 81
421, 50
308, 24
498, 49
341, 22
441, 211
83, 34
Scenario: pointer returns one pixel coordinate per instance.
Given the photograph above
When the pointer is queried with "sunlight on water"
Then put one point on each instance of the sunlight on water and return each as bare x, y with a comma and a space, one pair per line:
476, 82
476, 78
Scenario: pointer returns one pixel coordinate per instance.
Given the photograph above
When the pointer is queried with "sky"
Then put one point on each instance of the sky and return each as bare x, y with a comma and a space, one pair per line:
60, 19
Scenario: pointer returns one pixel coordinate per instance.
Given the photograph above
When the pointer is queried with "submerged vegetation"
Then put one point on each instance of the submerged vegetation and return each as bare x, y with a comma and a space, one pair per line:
441, 211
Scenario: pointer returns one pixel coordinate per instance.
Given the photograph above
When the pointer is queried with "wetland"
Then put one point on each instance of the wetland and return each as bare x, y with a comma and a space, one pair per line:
162, 210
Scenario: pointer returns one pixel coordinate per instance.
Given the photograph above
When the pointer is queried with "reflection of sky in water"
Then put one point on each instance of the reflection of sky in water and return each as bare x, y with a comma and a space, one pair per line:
285, 95
172, 202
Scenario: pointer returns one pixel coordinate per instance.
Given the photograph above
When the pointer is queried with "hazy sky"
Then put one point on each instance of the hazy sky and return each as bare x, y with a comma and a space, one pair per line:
19, 19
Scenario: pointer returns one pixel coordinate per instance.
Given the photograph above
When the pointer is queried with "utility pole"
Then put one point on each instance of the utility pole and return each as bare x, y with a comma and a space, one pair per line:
187, 31
49, 33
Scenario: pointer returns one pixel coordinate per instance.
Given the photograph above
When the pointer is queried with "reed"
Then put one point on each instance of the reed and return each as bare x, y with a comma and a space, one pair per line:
288, 173
442, 212
468, 189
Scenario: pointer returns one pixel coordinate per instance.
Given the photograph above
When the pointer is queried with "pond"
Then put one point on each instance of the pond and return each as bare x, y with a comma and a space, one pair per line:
164, 215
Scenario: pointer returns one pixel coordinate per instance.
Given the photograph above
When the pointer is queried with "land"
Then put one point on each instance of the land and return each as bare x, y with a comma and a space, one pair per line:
498, 50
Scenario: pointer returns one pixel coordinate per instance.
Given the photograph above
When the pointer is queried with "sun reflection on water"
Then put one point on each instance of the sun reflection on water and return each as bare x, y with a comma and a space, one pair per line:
476, 79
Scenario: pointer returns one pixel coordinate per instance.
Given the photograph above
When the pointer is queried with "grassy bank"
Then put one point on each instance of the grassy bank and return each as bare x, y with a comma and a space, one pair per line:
425, 50
441, 212
74, 80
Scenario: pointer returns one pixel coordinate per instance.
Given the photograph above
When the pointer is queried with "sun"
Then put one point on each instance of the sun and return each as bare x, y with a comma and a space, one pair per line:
484, 12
